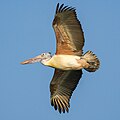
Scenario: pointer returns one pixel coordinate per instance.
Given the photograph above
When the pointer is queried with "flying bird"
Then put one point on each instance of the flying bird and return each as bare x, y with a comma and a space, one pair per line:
68, 60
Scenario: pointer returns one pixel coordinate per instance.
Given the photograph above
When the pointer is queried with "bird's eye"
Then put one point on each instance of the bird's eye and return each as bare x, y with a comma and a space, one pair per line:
43, 54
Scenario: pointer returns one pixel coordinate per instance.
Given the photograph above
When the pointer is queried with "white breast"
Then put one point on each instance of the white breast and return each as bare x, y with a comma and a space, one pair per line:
65, 62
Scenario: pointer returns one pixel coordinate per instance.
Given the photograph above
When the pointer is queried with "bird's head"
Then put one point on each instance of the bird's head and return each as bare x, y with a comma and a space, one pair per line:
44, 57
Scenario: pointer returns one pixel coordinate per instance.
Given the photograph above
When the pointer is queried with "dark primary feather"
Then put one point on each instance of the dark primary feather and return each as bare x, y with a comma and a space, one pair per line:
68, 30
62, 86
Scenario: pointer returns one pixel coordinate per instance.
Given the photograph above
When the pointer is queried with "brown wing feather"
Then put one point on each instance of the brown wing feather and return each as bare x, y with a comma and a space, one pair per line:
68, 30
62, 87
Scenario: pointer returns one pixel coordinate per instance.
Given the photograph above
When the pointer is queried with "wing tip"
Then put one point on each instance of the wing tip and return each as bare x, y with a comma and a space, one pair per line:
62, 8
60, 105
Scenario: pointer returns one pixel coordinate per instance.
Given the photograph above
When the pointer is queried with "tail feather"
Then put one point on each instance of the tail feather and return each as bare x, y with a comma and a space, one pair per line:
92, 60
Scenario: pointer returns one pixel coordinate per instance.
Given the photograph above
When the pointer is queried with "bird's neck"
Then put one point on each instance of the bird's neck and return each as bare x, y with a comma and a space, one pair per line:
46, 61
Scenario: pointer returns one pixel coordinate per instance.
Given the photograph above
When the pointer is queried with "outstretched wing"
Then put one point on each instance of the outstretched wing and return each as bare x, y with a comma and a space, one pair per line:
68, 30
62, 87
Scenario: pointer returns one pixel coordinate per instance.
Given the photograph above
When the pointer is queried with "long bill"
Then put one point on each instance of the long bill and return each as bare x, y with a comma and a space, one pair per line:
32, 60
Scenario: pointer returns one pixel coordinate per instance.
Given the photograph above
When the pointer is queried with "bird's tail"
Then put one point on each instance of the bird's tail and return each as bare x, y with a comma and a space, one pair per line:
92, 60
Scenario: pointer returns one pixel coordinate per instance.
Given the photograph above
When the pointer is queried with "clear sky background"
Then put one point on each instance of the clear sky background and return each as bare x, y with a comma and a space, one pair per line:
26, 31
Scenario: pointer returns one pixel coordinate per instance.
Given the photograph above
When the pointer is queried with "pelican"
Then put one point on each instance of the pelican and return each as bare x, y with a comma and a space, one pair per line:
68, 60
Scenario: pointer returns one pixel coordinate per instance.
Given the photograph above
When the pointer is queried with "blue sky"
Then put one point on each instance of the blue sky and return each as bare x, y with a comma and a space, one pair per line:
26, 31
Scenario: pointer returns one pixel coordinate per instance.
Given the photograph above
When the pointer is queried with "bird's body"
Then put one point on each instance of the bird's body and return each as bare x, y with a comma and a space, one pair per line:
68, 60
65, 62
